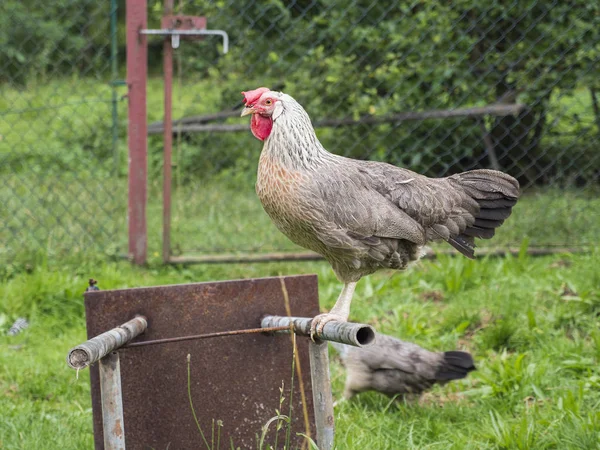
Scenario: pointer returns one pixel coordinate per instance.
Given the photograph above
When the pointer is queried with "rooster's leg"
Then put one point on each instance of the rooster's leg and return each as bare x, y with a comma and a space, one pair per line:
339, 312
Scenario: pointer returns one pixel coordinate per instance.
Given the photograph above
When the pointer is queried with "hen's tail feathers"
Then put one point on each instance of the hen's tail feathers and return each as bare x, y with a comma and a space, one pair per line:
454, 366
495, 193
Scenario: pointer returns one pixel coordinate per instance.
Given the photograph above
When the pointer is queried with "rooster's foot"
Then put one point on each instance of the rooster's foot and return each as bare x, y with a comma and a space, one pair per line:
318, 323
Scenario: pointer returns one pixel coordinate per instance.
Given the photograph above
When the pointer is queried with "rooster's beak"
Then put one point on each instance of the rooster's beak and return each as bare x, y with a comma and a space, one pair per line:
247, 110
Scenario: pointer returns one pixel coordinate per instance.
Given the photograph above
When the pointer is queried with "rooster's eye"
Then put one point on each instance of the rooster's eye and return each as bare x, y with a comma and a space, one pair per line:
268, 102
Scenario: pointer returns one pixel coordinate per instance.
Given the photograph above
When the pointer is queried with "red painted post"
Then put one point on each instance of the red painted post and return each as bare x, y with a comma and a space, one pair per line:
137, 61
168, 137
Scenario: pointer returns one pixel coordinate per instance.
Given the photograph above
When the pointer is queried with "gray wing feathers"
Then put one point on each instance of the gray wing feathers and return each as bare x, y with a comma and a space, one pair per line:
353, 210
370, 200
456, 209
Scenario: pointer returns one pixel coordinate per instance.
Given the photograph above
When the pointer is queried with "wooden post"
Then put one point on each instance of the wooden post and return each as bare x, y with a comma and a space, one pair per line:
137, 64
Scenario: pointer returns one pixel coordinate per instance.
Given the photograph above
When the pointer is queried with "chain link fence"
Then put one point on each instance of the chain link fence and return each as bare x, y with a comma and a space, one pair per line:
63, 190
438, 87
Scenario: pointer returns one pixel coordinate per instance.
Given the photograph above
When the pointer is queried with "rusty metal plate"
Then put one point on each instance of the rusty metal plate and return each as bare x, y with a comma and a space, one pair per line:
189, 23
234, 379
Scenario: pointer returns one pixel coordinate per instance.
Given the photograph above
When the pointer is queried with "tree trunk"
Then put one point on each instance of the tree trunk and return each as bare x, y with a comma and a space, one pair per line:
517, 141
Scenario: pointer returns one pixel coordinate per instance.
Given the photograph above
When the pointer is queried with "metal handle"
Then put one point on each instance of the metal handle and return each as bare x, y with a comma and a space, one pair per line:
176, 33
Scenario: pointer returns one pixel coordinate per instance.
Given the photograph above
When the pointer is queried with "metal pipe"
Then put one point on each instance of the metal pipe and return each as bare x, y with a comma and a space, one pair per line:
309, 256
322, 397
112, 402
98, 347
167, 139
114, 74
137, 133
357, 334
244, 258
168, 32
196, 337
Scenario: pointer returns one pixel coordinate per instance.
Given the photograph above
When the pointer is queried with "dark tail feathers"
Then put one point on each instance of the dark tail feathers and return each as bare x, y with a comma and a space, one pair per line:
495, 193
455, 365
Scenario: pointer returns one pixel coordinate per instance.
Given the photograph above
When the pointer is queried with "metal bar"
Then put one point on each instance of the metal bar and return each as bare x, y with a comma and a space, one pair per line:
112, 402
167, 139
322, 397
98, 347
309, 256
477, 111
168, 32
234, 111
114, 74
205, 336
492, 110
137, 65
357, 334
174, 32
253, 257
154, 127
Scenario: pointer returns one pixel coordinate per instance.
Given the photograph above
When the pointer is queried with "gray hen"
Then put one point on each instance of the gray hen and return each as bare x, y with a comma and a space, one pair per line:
392, 367
363, 216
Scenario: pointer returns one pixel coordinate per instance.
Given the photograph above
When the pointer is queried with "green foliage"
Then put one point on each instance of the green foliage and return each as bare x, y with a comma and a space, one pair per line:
38, 40
56, 127
358, 60
384, 57
362, 59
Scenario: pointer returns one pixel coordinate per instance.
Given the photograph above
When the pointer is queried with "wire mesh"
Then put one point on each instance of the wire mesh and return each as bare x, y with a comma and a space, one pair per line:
63, 190
372, 74
380, 78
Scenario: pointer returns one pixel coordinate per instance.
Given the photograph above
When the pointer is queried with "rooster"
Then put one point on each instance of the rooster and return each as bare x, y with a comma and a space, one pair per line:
395, 367
363, 216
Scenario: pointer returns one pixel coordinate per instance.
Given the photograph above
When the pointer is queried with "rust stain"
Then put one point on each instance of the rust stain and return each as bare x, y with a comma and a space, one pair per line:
118, 429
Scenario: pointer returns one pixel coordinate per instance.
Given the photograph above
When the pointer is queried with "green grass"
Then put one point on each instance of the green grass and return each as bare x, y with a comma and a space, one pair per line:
531, 323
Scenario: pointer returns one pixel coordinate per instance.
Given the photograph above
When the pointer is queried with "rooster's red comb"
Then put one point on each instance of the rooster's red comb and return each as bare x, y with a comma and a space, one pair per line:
251, 97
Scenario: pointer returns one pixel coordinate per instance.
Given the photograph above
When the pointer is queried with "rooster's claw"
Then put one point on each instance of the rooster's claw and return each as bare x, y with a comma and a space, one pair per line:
318, 323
